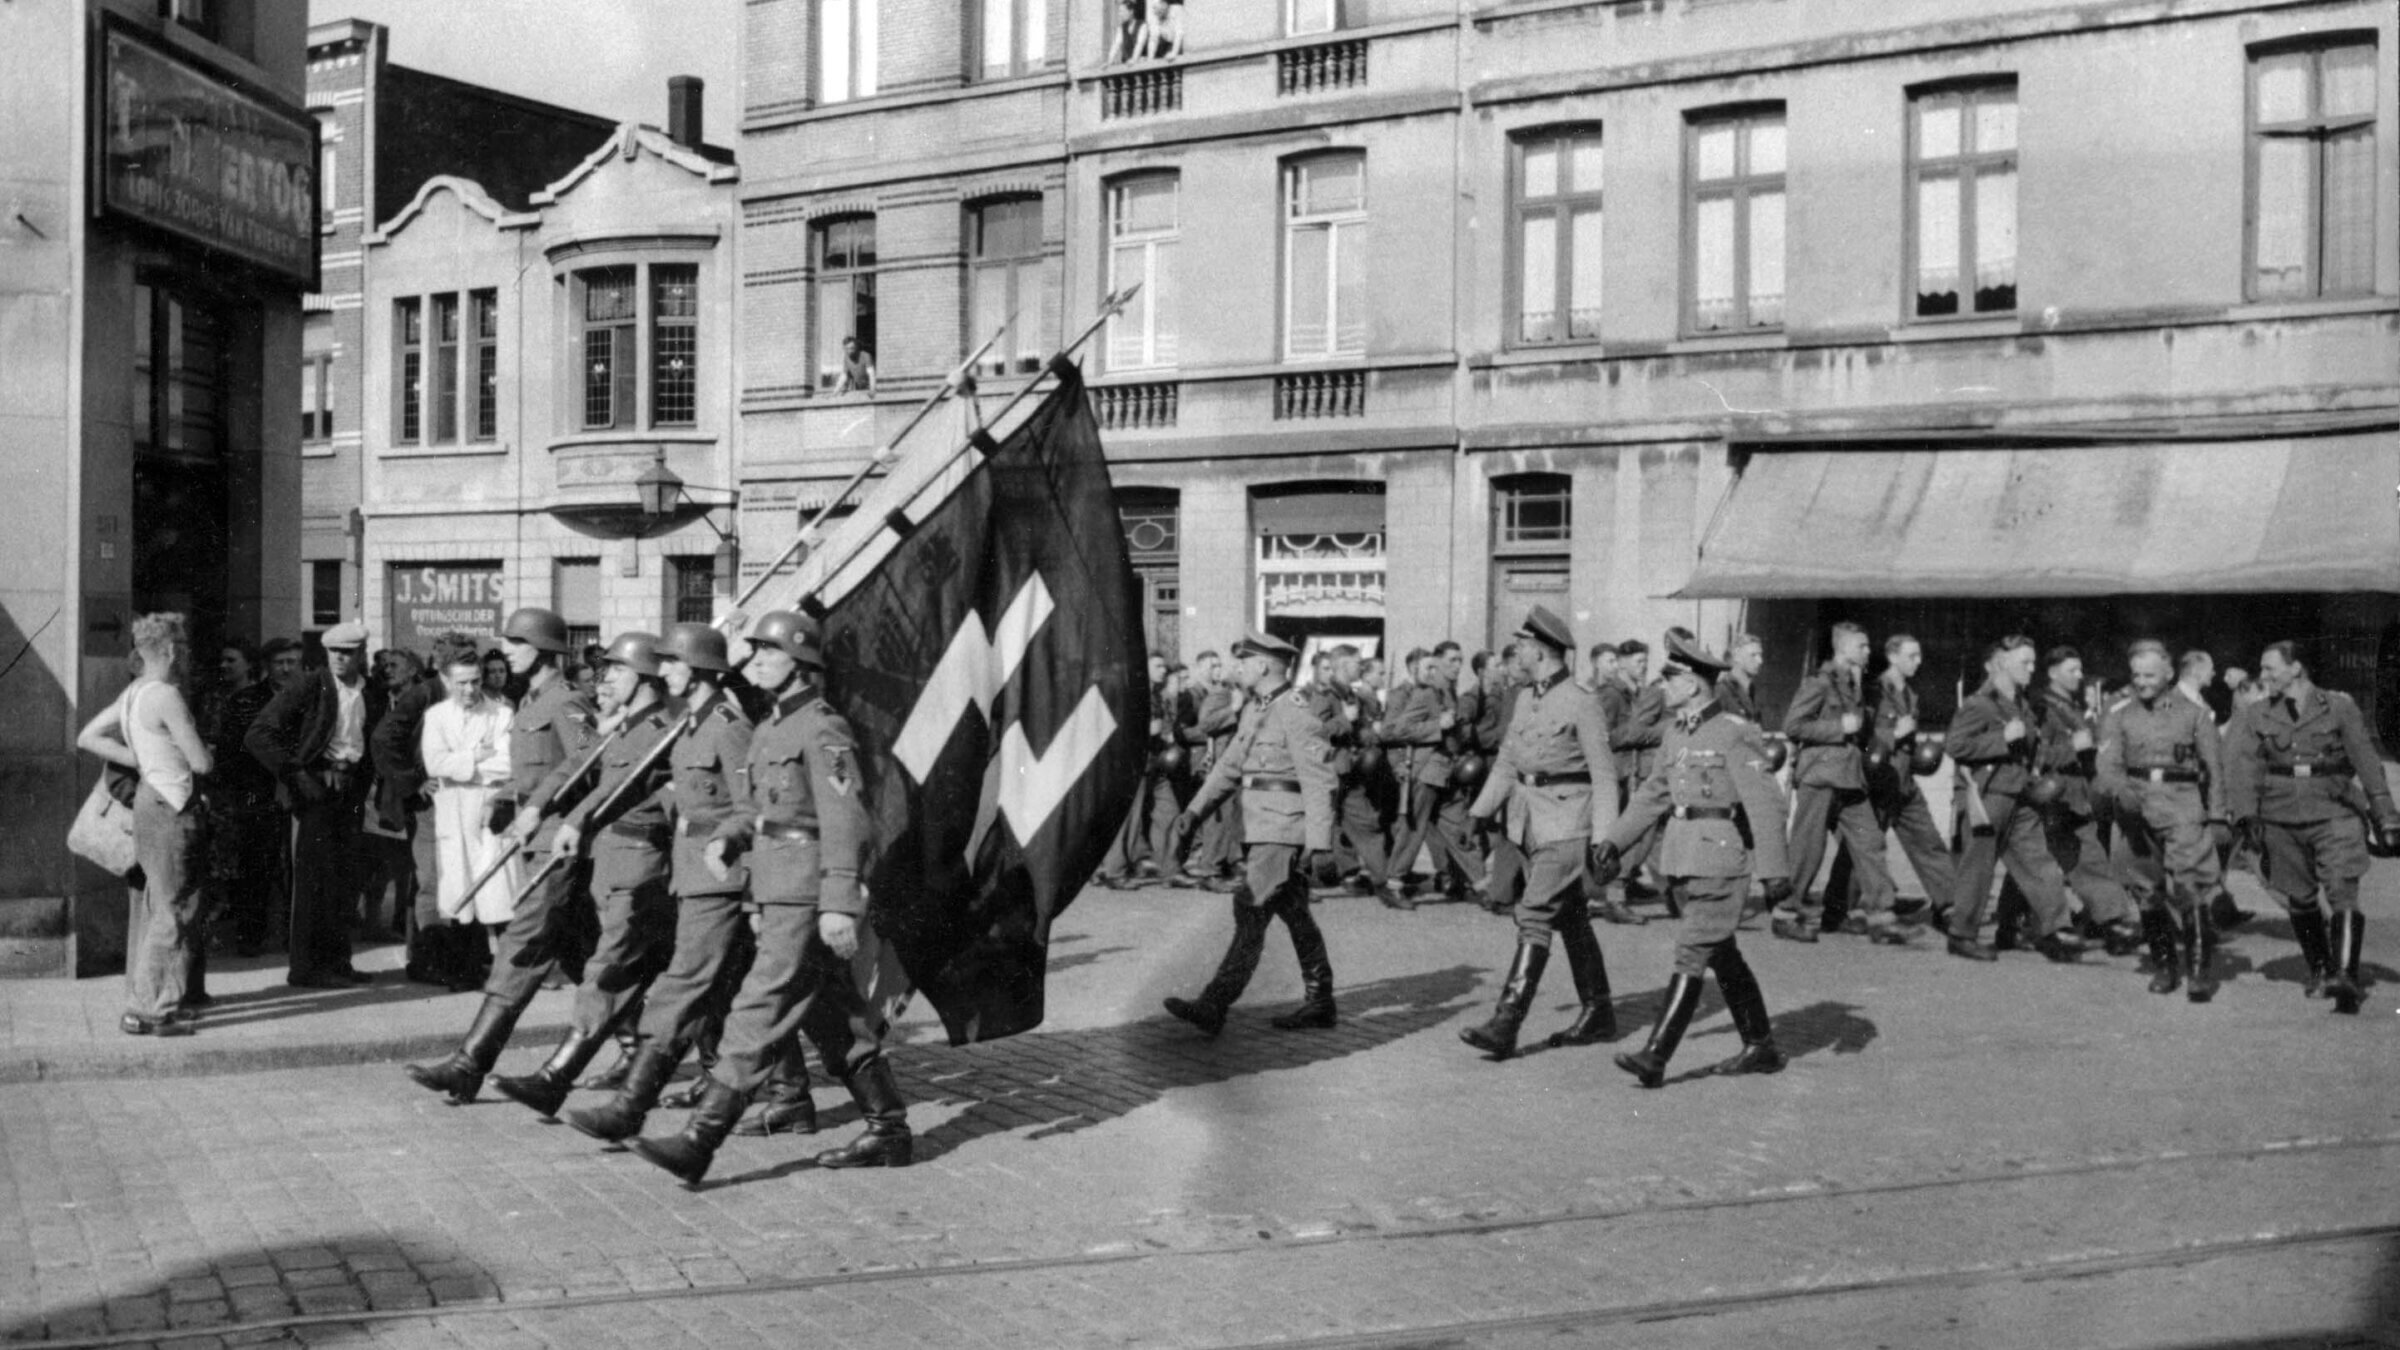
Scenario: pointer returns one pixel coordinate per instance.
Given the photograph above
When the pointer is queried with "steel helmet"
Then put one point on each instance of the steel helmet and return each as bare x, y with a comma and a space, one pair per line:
789, 632
637, 651
540, 627
696, 645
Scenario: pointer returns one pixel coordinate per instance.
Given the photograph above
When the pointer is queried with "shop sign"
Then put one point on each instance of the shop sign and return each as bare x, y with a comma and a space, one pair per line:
185, 151
430, 599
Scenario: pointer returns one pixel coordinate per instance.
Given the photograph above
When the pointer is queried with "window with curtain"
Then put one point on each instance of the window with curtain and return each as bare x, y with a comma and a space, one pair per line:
1144, 226
606, 320
2312, 170
1324, 256
845, 293
1962, 172
1557, 235
1004, 261
1734, 175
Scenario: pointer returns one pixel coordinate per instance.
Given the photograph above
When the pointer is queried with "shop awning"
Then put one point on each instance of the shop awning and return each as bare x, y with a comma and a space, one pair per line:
2311, 513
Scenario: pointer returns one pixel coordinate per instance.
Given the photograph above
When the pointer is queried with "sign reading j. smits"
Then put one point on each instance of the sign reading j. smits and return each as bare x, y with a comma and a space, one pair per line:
430, 599
191, 153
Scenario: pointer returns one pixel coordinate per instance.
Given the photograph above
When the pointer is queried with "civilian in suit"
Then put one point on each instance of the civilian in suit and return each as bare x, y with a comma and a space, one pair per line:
313, 736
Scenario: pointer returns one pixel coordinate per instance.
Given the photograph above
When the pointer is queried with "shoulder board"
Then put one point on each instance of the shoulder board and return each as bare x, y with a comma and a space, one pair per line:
726, 711
1298, 698
1735, 718
820, 707
2119, 705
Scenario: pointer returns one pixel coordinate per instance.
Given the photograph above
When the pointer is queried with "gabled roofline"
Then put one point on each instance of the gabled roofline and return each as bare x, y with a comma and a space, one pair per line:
630, 140
470, 195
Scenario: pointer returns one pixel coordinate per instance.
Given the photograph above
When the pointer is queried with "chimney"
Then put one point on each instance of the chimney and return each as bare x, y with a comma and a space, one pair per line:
683, 110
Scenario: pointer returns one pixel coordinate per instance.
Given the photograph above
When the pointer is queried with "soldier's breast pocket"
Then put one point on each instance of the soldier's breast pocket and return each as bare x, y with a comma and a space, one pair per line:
784, 871
783, 778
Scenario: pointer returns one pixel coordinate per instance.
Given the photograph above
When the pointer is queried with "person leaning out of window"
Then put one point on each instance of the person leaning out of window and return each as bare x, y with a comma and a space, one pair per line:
149, 730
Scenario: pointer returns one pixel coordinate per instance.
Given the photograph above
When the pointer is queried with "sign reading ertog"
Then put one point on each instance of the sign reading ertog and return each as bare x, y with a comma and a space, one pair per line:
430, 599
182, 150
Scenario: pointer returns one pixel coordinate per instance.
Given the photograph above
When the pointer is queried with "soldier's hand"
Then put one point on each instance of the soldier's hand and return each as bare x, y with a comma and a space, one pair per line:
500, 814
1606, 861
1179, 833
2253, 833
2015, 730
1775, 890
567, 842
1851, 723
2383, 840
2083, 740
715, 857
1322, 868
521, 827
1903, 728
840, 933
1449, 720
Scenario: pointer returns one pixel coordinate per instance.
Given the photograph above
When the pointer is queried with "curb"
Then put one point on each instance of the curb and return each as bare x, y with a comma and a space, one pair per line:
195, 1058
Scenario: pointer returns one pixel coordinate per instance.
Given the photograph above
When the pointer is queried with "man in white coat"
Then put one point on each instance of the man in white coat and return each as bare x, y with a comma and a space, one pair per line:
466, 761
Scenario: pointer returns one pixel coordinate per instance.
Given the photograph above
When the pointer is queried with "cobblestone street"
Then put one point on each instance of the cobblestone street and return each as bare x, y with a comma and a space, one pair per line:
2027, 1154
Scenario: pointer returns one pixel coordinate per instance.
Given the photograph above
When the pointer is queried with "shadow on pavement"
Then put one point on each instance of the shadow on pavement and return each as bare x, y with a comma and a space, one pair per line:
1074, 959
352, 1273
1060, 1082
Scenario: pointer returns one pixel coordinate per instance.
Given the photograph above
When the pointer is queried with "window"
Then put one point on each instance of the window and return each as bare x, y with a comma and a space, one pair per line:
1142, 230
1963, 198
691, 588
1302, 17
485, 309
445, 369
609, 360
409, 321
325, 593
845, 50
327, 199
316, 398
198, 15
1324, 267
674, 345
2312, 171
1735, 172
1534, 511
1011, 37
575, 594
179, 376
1558, 236
845, 293
1004, 278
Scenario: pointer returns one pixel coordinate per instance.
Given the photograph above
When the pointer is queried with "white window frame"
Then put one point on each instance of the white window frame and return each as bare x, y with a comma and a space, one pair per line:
1151, 345
1345, 230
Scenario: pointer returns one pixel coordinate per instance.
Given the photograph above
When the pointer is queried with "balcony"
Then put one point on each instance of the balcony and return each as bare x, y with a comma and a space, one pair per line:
1314, 70
1141, 93
1137, 407
1320, 394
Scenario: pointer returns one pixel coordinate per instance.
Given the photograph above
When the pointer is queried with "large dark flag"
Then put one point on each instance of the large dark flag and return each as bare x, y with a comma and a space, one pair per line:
993, 666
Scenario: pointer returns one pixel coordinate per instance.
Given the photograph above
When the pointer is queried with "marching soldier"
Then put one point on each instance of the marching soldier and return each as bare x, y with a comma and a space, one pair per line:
801, 817
2071, 822
553, 726
713, 944
2301, 773
1350, 729
1900, 803
1504, 677
2159, 763
1282, 764
1634, 729
1555, 776
624, 819
1220, 848
1995, 738
1720, 818
1828, 723
1737, 688
1435, 813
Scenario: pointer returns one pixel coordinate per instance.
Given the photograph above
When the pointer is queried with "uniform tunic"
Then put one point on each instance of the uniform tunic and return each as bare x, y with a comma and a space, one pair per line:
1282, 764
1829, 790
1558, 781
550, 731
624, 825
1994, 772
1358, 835
802, 814
1899, 800
707, 762
2159, 765
1719, 818
1435, 813
2071, 823
2304, 766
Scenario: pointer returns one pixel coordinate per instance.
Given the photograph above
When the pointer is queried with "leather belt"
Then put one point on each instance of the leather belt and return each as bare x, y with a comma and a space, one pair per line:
1271, 784
776, 829
1583, 776
693, 828
1704, 813
2338, 768
2165, 775
636, 830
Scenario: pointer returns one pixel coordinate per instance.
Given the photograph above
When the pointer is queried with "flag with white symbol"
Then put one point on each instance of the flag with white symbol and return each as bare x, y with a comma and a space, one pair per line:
994, 670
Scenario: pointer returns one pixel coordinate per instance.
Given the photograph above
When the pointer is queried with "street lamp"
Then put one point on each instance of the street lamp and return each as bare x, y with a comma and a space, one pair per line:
661, 492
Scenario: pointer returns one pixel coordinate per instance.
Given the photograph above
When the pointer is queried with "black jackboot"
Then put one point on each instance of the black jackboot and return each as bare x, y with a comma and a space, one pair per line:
1648, 1065
546, 1088
887, 1142
2349, 939
461, 1075
1316, 1009
1748, 1004
2166, 963
1596, 1020
785, 1107
688, 1154
613, 1077
2200, 954
2308, 929
620, 1118
1498, 1037
1207, 1012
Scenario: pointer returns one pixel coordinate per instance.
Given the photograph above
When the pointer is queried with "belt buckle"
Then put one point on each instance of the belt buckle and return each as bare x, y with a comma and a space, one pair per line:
2156, 775
2304, 771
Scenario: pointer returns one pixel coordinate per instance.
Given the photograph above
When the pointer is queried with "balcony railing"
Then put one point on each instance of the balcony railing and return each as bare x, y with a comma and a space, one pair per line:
1320, 393
1330, 65
1141, 93
1137, 407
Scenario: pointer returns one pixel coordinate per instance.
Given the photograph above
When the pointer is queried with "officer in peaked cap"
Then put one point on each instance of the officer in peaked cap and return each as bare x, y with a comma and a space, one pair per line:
1722, 819
553, 727
1282, 763
1558, 781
